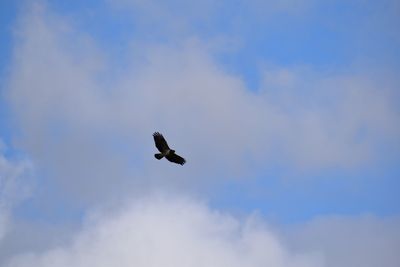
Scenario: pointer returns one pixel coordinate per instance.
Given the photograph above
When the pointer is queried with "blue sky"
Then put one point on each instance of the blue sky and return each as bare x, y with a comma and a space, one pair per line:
284, 111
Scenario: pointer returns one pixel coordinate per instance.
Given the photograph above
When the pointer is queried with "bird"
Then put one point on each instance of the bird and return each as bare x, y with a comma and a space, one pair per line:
165, 151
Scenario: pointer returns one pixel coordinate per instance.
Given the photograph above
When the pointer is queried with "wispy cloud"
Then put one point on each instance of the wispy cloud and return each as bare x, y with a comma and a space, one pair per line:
75, 120
350, 241
13, 186
175, 20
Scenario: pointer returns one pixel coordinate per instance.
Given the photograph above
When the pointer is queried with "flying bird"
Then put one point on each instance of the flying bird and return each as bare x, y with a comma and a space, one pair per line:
165, 151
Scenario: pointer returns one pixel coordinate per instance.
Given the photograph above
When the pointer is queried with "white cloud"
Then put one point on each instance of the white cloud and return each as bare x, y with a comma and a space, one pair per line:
330, 119
350, 241
63, 99
170, 231
89, 128
178, 231
13, 186
86, 124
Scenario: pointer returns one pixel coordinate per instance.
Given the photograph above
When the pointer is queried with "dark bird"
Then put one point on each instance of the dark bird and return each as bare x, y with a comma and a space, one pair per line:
165, 151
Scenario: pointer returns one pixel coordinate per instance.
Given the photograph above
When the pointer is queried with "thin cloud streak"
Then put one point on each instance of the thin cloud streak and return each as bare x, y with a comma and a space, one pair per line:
14, 187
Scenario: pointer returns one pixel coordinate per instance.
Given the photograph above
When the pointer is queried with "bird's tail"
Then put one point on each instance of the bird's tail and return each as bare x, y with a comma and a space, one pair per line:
158, 156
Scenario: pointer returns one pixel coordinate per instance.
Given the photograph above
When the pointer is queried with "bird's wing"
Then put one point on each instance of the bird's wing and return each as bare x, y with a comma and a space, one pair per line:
176, 158
160, 142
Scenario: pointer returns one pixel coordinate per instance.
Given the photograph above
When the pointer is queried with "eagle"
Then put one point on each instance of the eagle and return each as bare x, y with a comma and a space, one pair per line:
165, 151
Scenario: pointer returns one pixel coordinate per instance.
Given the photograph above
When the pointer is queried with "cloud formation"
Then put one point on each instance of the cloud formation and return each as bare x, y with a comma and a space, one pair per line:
88, 123
180, 231
13, 186
170, 232
81, 117
350, 241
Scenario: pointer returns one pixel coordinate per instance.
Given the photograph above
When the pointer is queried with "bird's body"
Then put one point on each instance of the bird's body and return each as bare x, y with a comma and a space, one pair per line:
164, 154
165, 151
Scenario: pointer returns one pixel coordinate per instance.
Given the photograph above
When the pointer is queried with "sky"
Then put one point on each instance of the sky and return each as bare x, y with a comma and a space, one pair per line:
286, 113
